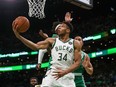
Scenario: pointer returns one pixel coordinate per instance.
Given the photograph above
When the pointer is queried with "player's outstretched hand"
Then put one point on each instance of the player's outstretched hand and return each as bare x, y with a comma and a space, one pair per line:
17, 34
15, 28
68, 17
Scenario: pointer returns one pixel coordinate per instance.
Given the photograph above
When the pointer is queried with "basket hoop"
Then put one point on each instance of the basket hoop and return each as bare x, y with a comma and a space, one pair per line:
36, 8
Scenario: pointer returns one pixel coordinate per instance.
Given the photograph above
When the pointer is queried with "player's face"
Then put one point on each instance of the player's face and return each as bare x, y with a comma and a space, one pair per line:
79, 39
62, 29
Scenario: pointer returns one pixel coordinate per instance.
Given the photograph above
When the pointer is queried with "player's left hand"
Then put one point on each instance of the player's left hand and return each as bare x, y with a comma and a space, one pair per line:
58, 73
68, 17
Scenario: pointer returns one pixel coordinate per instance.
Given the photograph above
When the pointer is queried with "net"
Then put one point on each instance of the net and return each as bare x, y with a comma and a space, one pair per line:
36, 8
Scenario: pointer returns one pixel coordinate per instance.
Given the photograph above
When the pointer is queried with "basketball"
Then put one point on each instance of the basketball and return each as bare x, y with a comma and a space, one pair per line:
21, 23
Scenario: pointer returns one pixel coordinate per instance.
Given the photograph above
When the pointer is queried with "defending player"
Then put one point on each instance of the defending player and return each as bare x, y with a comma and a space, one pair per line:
85, 65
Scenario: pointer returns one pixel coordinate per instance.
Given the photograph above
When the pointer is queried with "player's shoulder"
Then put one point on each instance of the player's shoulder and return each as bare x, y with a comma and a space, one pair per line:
86, 55
51, 40
83, 52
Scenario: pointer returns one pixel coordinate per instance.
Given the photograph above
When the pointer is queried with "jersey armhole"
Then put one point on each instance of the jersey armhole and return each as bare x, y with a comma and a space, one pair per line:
54, 43
83, 55
73, 44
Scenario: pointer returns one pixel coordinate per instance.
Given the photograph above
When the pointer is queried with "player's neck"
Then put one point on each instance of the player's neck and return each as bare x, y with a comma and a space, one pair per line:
64, 38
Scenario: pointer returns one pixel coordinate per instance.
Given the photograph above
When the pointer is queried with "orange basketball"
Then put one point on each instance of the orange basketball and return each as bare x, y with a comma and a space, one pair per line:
21, 23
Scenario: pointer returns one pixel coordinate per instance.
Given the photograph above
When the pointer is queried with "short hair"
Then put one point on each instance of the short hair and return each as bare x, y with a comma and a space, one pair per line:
70, 26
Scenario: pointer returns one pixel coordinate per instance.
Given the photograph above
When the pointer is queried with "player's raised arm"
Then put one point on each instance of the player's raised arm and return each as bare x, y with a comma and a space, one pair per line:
34, 46
68, 17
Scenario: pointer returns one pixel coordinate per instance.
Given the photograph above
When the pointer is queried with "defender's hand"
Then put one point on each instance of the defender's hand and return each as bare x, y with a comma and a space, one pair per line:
42, 34
68, 17
38, 66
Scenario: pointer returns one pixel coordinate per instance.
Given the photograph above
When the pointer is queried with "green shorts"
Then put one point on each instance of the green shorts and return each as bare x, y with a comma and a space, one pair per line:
79, 81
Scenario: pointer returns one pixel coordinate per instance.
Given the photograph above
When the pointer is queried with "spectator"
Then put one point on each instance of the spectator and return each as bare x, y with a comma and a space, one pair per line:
34, 82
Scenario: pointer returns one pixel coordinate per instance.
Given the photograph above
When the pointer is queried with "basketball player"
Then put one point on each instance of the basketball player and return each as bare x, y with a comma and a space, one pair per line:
67, 18
79, 79
85, 64
65, 52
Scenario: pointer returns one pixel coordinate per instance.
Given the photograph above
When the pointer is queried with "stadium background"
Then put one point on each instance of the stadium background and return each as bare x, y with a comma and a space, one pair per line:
99, 23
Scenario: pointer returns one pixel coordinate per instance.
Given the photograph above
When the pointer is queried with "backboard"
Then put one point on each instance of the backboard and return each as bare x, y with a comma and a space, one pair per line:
86, 4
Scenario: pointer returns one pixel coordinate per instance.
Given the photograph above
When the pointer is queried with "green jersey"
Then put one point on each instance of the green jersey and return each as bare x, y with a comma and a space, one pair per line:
79, 79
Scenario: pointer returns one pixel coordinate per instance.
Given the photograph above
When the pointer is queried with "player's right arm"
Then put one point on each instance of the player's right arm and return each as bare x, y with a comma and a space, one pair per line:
34, 46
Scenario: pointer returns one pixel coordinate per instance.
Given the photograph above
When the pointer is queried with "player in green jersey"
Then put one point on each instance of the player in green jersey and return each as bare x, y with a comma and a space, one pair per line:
85, 65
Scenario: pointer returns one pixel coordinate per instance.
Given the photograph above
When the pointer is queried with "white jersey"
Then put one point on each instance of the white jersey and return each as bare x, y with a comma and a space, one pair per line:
62, 54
